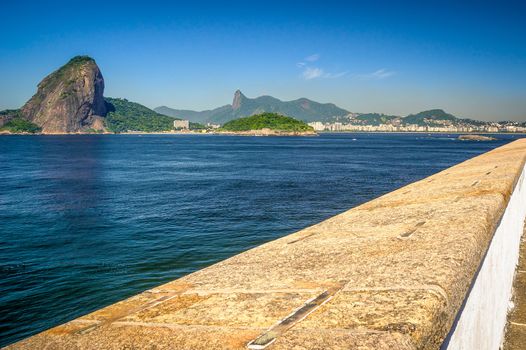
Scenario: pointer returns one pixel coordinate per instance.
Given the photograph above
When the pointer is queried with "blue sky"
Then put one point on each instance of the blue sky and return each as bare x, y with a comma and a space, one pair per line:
394, 57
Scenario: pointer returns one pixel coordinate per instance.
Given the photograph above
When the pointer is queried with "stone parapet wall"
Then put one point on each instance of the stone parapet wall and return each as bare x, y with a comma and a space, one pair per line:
394, 273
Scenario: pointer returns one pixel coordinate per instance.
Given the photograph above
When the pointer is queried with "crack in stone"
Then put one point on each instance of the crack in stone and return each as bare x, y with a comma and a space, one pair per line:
301, 238
411, 231
269, 336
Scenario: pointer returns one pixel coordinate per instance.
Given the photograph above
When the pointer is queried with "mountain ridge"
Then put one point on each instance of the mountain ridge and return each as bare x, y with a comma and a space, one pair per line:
243, 106
71, 100
308, 111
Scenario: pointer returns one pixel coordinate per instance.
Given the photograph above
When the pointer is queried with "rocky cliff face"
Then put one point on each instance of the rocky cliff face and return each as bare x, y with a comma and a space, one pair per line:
69, 99
238, 99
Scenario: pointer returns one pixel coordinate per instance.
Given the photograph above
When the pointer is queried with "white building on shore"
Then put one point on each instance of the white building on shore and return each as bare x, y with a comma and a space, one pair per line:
317, 126
181, 124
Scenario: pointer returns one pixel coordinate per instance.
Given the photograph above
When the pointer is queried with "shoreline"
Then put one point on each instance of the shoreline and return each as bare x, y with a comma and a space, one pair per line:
266, 133
255, 133
226, 133
423, 132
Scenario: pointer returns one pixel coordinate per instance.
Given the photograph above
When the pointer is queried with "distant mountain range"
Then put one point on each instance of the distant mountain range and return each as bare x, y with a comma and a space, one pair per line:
242, 106
310, 111
71, 100
432, 117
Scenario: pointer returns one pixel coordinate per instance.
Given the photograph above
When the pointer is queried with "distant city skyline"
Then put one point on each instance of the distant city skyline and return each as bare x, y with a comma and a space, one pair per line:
394, 58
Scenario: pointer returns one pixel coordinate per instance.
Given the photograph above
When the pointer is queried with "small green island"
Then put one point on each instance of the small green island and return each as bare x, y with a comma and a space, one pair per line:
267, 124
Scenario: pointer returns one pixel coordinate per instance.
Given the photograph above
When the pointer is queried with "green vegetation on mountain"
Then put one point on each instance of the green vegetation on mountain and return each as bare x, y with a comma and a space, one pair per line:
430, 118
433, 117
124, 115
272, 121
10, 113
474, 122
197, 126
19, 125
64, 72
374, 118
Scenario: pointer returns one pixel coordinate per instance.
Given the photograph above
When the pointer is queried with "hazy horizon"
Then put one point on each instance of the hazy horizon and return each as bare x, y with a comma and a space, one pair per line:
398, 59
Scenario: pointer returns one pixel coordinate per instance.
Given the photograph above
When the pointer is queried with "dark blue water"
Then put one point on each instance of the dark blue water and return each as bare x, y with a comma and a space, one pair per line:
88, 220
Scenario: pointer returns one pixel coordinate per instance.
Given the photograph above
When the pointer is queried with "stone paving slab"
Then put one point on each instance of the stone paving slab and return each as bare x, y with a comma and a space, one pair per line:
389, 274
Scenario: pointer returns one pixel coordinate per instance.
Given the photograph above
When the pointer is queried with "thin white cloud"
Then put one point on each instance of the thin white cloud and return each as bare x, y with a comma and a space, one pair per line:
310, 73
335, 75
377, 75
313, 58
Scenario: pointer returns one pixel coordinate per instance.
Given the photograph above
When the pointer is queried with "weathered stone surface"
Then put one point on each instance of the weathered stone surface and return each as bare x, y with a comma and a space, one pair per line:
518, 313
400, 311
341, 339
69, 99
515, 337
144, 336
396, 271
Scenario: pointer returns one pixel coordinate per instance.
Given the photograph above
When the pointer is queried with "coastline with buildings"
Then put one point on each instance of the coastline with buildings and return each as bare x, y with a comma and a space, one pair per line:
397, 125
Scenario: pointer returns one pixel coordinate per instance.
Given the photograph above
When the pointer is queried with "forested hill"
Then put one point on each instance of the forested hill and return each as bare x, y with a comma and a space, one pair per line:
124, 115
271, 121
